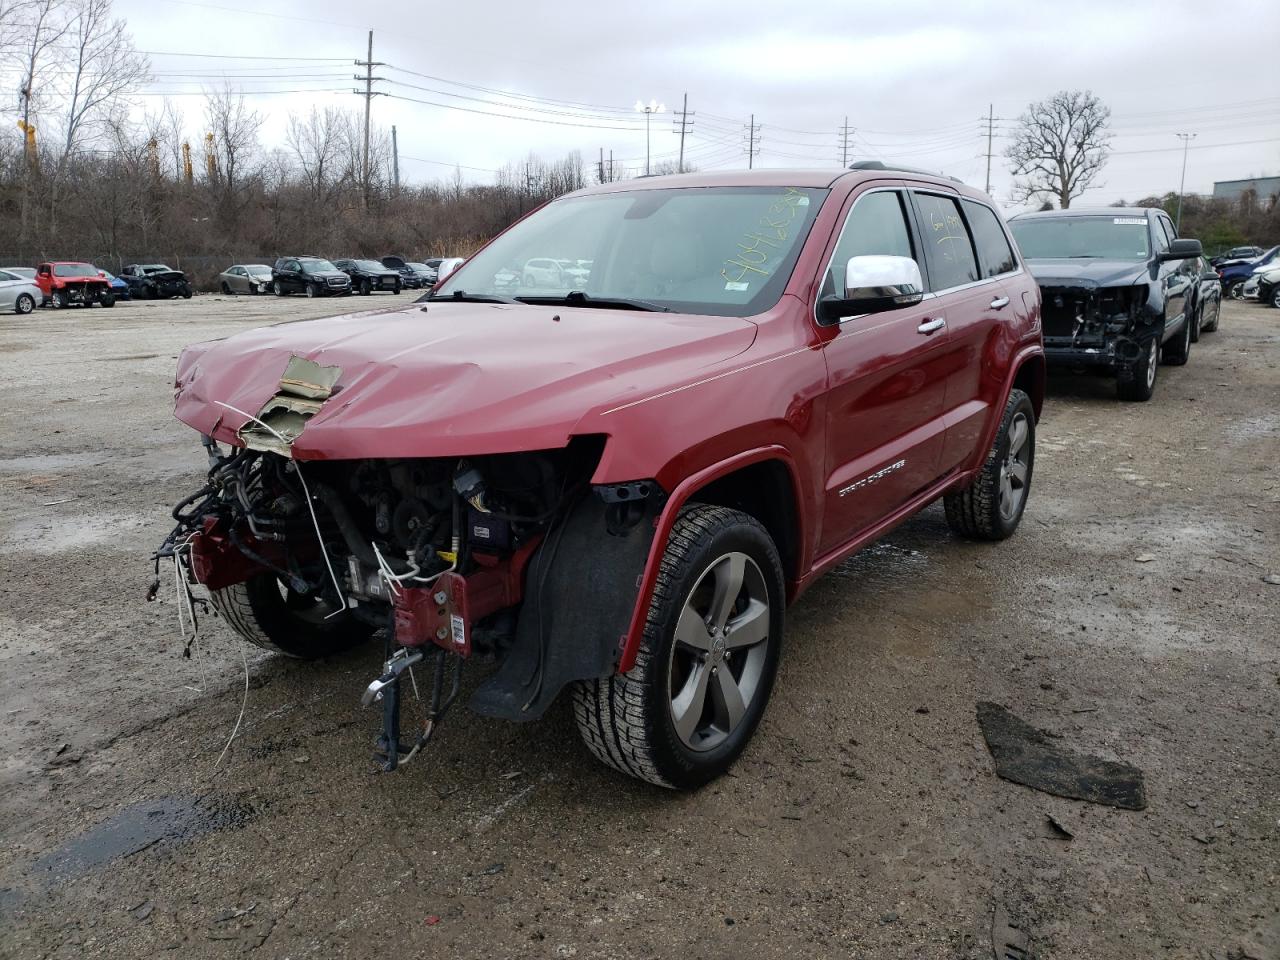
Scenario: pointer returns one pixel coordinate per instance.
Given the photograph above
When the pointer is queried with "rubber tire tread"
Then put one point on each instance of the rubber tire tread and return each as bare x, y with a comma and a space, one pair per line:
611, 713
248, 609
973, 512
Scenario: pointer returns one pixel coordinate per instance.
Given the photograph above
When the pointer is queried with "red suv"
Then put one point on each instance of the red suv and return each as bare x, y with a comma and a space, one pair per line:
618, 486
69, 282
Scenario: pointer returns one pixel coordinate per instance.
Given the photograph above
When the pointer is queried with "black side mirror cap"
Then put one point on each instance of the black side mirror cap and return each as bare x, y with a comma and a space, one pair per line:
1183, 250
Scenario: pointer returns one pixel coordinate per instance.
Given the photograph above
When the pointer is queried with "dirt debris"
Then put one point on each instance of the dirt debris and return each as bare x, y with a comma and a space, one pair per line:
901, 813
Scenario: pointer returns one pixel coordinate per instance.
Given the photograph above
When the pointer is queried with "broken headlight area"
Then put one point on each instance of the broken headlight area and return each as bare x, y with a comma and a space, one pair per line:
434, 552
1091, 317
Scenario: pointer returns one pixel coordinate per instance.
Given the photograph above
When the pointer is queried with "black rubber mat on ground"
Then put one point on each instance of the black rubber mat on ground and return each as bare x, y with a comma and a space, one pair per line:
1027, 756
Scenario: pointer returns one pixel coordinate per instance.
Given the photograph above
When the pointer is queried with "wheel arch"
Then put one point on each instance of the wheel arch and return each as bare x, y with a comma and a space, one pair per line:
763, 483
1029, 377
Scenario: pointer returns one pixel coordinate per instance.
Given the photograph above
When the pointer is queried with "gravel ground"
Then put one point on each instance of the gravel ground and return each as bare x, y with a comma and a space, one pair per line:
864, 821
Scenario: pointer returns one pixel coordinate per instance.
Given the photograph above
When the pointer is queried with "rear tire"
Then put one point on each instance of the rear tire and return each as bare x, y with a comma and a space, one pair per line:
1234, 290
685, 712
991, 507
24, 304
265, 614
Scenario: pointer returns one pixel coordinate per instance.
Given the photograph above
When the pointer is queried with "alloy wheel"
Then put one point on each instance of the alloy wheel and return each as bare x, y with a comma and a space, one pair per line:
721, 646
1015, 469
1153, 359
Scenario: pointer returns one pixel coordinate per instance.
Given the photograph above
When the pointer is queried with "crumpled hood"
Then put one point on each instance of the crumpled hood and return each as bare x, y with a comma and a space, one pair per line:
166, 275
455, 379
1092, 272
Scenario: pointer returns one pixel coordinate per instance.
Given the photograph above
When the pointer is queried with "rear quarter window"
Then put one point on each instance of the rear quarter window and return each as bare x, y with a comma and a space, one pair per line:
995, 255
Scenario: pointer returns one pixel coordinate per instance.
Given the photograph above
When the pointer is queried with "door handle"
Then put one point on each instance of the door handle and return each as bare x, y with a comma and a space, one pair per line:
999, 303
932, 325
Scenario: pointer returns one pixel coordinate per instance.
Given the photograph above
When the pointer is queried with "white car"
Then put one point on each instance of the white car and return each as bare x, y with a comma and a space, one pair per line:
17, 293
544, 272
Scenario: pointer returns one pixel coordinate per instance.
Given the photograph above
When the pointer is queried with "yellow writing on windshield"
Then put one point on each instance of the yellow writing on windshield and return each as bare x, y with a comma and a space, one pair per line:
760, 244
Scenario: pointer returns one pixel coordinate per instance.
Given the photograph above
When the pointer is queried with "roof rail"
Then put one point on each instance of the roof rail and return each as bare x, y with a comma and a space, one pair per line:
901, 167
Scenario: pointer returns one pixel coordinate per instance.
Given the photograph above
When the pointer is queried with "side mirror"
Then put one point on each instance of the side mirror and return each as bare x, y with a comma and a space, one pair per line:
873, 284
1182, 250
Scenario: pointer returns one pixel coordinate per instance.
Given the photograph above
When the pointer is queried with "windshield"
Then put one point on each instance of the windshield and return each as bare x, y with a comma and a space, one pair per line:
371, 265
1106, 237
74, 270
317, 266
726, 251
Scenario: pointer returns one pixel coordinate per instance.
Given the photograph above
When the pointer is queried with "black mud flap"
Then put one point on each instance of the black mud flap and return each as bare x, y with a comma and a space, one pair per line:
580, 591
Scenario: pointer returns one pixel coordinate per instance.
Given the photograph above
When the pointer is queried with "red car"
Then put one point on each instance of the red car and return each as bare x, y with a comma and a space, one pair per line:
68, 282
619, 487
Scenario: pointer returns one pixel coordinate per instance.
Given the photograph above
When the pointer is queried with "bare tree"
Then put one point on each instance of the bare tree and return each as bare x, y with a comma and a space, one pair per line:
317, 142
104, 68
235, 134
1060, 146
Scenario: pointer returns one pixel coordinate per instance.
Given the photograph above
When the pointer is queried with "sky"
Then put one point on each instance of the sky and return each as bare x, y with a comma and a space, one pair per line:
915, 80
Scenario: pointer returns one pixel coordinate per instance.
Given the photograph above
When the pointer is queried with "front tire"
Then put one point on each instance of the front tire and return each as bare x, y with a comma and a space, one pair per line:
685, 712
1137, 380
1177, 354
279, 288
266, 614
107, 299
312, 291
991, 507
1234, 290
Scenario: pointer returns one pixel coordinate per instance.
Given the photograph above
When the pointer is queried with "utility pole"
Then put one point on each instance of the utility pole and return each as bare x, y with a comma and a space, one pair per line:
611, 166
600, 167
685, 124
395, 159
753, 141
845, 134
1186, 139
991, 121
368, 95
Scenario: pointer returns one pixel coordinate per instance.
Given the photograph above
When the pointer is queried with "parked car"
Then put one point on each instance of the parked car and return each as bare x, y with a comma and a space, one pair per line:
413, 276
250, 278
18, 293
68, 283
1236, 254
118, 286
433, 265
1269, 286
1234, 275
446, 266
370, 275
543, 272
27, 272
1209, 301
1118, 289
152, 281
313, 276
617, 491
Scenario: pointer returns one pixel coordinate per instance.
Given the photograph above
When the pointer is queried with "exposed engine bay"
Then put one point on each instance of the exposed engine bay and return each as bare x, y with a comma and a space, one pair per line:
435, 552
1091, 317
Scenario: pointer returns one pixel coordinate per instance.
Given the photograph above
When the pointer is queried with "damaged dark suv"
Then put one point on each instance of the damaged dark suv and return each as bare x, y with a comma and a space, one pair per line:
1118, 288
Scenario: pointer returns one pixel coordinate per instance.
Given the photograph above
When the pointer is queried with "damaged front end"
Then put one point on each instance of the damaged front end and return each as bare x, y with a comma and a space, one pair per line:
513, 558
1090, 325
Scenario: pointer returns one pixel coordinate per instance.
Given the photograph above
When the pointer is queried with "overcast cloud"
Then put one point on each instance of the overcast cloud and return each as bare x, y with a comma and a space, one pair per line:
913, 79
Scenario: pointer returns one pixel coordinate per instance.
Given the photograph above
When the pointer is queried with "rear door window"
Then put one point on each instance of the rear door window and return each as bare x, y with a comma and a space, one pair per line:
946, 241
995, 256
